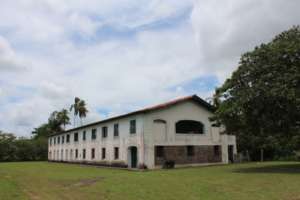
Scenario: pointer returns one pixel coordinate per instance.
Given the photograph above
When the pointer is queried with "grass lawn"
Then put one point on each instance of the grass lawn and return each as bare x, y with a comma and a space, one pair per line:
42, 180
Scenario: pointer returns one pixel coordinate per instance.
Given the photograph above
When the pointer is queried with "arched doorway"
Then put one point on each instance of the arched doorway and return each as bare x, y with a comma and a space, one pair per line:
132, 157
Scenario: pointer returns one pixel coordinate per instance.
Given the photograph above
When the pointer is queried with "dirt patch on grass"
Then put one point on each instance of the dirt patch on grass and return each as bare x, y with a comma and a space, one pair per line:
85, 182
31, 195
293, 197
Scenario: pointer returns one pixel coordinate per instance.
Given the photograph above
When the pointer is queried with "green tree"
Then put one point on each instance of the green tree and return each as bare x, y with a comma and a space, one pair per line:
43, 131
25, 149
260, 103
63, 117
55, 122
7, 147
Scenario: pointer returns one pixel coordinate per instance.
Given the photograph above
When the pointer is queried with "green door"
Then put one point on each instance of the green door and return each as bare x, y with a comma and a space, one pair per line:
133, 157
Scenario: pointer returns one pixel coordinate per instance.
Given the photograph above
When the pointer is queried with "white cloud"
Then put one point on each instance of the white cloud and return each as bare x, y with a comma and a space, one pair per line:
226, 29
8, 59
128, 66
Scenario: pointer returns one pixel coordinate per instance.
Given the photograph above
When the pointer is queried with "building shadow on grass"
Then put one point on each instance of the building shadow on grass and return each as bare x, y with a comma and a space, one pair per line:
280, 169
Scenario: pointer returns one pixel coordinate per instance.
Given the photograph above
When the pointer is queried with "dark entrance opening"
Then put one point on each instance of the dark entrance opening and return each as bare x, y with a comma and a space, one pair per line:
230, 153
133, 159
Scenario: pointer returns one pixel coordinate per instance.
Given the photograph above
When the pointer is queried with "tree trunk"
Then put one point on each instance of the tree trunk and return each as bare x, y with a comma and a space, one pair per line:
261, 155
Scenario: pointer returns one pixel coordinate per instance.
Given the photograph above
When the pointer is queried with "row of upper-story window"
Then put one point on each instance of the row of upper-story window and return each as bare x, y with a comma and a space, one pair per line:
104, 134
55, 154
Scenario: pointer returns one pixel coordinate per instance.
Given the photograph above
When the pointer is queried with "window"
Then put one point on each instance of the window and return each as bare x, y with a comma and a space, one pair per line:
116, 153
58, 140
94, 134
216, 150
54, 140
104, 131
162, 121
132, 126
84, 135
93, 153
68, 138
83, 153
160, 152
62, 139
116, 130
75, 137
190, 151
76, 153
189, 127
103, 153
50, 141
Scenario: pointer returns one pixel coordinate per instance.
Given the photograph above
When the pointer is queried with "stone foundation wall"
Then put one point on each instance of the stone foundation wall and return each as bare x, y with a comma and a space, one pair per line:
179, 154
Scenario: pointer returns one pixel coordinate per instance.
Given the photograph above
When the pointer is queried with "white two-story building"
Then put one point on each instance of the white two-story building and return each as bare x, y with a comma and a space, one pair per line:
177, 131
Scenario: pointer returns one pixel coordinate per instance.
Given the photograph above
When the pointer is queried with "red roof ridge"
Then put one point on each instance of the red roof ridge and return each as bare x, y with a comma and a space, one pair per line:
174, 101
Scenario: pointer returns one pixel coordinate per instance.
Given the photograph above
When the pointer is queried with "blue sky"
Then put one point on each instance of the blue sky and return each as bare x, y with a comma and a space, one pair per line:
123, 55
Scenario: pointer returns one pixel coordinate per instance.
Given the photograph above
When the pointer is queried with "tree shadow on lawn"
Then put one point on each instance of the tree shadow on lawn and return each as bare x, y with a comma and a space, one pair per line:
279, 169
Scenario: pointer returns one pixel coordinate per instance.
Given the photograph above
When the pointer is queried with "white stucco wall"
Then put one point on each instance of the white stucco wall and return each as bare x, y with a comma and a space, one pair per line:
165, 134
148, 134
123, 141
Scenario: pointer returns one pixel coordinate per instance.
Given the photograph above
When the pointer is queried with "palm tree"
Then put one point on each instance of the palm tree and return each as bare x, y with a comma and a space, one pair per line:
75, 108
82, 110
63, 117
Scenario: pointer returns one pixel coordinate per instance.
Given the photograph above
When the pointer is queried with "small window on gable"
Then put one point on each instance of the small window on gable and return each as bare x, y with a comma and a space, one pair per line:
161, 121
189, 127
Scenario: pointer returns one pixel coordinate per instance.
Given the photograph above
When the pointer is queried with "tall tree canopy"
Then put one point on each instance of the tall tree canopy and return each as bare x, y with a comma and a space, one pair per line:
260, 103
56, 123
